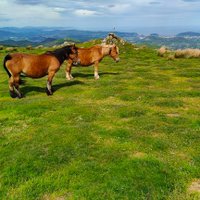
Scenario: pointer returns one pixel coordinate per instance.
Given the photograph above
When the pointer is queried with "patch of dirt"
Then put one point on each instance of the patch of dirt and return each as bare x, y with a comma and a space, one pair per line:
47, 197
137, 155
53, 197
195, 186
172, 115
109, 142
181, 155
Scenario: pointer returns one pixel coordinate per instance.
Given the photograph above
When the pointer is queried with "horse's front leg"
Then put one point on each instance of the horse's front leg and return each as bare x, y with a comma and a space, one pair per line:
96, 65
68, 71
49, 83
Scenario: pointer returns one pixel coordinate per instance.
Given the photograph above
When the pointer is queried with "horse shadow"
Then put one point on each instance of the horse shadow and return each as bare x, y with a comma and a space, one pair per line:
71, 83
81, 75
27, 89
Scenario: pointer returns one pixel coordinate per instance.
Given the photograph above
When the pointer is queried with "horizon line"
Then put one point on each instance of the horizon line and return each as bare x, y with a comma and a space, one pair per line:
162, 30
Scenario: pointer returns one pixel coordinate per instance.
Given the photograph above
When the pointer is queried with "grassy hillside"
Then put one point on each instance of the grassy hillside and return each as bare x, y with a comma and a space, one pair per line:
132, 134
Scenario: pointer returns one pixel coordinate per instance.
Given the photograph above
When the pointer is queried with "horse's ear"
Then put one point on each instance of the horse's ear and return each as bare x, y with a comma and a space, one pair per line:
74, 46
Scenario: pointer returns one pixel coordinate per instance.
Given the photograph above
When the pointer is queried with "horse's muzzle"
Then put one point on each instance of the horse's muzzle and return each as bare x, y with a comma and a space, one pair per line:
117, 59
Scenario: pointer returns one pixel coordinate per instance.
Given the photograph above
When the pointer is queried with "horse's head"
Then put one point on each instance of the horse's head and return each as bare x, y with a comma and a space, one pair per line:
112, 51
73, 54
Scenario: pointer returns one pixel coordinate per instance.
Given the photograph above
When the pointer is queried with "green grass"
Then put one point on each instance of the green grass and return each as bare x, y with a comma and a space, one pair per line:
132, 134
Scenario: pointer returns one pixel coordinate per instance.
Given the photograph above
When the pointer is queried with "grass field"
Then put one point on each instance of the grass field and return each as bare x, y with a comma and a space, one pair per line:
132, 134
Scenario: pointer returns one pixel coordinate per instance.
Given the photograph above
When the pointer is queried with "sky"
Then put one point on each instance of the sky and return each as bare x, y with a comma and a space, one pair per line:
142, 16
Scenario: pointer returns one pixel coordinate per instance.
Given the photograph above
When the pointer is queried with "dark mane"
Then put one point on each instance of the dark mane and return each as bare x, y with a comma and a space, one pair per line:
61, 54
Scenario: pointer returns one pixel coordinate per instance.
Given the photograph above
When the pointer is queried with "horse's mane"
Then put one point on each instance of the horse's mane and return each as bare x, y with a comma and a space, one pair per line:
61, 54
66, 49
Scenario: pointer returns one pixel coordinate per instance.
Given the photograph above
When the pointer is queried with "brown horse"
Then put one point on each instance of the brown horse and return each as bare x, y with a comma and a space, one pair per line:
36, 66
92, 56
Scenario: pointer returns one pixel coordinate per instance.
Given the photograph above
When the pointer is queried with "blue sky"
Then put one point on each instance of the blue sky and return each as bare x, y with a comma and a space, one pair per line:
121, 15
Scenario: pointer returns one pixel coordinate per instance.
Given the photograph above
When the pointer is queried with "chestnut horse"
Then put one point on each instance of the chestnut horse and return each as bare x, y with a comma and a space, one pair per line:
36, 66
93, 56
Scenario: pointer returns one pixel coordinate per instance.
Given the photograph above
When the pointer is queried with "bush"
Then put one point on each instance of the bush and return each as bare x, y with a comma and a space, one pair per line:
162, 51
187, 53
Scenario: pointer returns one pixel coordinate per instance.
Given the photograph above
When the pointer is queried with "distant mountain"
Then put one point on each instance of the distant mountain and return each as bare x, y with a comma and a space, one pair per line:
17, 43
40, 34
188, 34
154, 34
6, 34
11, 36
46, 42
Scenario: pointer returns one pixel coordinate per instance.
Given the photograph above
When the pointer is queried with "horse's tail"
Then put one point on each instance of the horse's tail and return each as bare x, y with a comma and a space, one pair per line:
7, 57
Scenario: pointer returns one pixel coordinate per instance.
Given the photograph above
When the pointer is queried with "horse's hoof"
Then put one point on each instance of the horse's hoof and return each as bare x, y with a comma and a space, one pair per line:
70, 78
13, 94
96, 77
20, 96
49, 92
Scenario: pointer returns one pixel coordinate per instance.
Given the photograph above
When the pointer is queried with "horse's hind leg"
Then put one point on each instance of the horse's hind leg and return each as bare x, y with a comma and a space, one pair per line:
16, 86
49, 83
11, 87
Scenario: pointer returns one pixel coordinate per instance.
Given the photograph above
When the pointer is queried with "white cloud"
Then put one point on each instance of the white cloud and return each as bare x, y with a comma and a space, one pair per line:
84, 12
100, 14
27, 15
119, 8
58, 9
